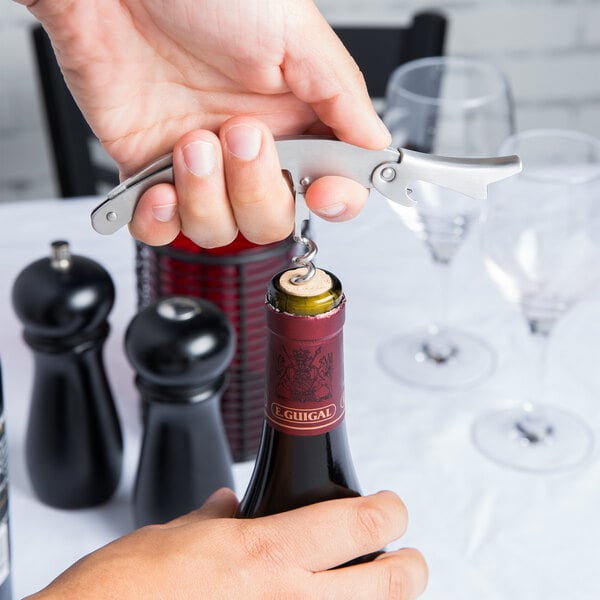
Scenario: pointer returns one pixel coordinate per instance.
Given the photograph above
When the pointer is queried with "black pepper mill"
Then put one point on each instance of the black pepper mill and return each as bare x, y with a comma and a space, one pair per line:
180, 348
74, 445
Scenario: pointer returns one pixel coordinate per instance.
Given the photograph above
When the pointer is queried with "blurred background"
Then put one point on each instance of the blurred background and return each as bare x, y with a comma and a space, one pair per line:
550, 50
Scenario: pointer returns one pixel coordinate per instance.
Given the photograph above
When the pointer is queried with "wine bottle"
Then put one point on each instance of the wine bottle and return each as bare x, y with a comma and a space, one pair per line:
303, 455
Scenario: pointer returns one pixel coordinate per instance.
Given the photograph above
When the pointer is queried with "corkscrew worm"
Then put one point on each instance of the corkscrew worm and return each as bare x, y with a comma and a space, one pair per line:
301, 217
305, 158
305, 260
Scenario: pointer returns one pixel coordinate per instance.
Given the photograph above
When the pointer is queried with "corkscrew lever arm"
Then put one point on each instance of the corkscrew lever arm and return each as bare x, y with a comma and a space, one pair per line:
389, 171
468, 176
306, 158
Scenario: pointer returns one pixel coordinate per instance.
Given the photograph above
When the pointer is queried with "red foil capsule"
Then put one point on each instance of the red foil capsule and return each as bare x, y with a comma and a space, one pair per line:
305, 383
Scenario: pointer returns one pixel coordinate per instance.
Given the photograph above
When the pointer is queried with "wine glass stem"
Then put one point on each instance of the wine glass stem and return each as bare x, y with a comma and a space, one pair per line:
533, 427
540, 343
438, 346
442, 277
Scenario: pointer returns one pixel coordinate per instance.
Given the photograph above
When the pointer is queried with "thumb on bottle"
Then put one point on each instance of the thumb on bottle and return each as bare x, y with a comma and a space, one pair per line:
222, 503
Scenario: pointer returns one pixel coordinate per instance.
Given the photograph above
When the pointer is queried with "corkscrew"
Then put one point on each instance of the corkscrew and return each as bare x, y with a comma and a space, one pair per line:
307, 158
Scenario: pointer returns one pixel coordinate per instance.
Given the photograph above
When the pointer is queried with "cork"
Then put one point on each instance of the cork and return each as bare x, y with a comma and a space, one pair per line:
320, 284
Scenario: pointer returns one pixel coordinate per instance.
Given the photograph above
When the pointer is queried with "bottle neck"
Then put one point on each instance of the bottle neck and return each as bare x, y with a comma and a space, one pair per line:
303, 456
305, 376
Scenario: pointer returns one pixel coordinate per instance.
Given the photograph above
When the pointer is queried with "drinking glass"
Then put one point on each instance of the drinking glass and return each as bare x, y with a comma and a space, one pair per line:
448, 106
540, 240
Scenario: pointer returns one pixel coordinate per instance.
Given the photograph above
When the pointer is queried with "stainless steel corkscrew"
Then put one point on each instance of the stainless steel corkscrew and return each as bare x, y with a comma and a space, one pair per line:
306, 158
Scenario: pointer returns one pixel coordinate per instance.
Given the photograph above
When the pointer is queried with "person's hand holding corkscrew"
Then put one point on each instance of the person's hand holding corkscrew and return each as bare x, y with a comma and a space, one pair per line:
214, 81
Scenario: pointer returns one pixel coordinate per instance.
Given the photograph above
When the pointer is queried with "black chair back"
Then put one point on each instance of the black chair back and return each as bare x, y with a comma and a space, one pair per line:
82, 167
379, 50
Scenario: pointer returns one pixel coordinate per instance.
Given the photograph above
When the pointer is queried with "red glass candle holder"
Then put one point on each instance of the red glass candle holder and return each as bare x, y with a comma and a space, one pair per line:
235, 278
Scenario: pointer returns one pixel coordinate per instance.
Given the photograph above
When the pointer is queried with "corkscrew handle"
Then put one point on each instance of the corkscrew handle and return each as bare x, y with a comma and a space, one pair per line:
306, 158
118, 208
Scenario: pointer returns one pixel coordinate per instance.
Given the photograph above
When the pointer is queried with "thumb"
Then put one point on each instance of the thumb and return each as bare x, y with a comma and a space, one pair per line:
220, 504
319, 71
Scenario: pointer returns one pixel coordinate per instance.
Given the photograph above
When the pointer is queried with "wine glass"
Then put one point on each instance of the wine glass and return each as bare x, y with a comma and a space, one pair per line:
449, 106
540, 240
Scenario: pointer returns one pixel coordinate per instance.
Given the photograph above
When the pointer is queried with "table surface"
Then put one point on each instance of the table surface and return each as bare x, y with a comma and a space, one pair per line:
487, 531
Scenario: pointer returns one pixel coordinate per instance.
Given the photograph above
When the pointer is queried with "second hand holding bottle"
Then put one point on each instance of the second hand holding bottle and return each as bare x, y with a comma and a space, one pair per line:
304, 456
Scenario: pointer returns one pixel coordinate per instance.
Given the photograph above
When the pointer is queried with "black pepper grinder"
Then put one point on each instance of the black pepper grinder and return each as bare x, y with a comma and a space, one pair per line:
180, 348
74, 446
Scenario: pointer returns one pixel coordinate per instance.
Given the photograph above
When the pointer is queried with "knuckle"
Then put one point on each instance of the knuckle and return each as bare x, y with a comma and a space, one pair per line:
254, 196
372, 522
381, 518
262, 236
209, 238
394, 581
397, 513
403, 574
200, 211
260, 546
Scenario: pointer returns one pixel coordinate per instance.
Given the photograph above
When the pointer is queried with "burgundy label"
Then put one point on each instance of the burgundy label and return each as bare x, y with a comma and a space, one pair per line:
305, 395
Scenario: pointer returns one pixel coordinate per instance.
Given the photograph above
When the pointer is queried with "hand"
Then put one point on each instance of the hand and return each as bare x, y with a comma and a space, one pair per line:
207, 554
147, 72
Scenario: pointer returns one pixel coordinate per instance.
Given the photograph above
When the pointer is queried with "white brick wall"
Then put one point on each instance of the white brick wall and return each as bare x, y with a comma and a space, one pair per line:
529, 28
590, 33
550, 49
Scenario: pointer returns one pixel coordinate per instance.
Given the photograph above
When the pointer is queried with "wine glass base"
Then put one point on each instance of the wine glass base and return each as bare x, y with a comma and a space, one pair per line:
406, 358
541, 439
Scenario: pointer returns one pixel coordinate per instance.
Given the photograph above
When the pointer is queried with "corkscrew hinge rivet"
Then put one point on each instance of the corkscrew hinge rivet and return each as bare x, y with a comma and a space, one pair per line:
388, 174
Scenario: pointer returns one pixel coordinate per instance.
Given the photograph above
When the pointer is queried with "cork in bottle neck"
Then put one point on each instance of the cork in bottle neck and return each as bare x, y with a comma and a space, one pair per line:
315, 297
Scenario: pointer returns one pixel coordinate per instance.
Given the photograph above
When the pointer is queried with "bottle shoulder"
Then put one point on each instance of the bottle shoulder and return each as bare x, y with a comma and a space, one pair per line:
293, 471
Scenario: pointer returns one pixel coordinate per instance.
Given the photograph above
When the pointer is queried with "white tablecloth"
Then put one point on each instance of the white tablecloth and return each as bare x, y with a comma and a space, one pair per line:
488, 532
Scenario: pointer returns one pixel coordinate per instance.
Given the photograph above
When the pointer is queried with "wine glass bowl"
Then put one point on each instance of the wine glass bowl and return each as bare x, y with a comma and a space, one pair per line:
448, 106
442, 220
540, 245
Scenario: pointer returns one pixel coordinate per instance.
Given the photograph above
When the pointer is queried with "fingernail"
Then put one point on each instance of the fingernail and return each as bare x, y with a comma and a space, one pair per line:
244, 141
333, 210
199, 158
164, 212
